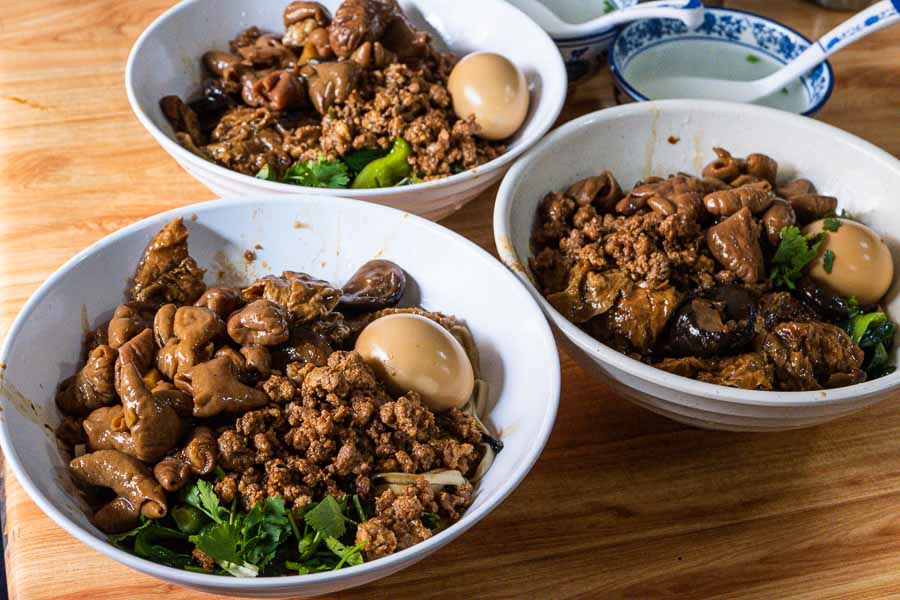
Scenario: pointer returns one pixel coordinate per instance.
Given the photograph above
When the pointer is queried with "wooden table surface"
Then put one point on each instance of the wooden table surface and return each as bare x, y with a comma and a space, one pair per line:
621, 503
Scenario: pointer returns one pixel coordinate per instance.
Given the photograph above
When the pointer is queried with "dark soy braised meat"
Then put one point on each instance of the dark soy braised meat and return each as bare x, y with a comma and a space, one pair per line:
255, 398
324, 89
680, 272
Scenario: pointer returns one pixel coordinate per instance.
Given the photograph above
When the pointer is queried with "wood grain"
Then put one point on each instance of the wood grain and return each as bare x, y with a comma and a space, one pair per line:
621, 504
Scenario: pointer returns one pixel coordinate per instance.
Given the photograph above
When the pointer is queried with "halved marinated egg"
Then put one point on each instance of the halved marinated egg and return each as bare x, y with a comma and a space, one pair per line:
852, 261
412, 352
493, 89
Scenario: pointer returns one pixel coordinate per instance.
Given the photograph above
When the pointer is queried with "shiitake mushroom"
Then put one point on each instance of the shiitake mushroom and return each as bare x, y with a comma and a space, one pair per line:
375, 285
714, 322
825, 302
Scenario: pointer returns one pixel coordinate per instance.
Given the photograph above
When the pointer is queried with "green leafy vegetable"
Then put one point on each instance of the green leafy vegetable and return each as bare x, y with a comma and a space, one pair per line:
321, 173
878, 365
259, 542
608, 7
358, 159
752, 59
202, 496
831, 224
828, 261
360, 512
874, 333
794, 253
350, 556
327, 518
264, 528
859, 325
267, 173
149, 544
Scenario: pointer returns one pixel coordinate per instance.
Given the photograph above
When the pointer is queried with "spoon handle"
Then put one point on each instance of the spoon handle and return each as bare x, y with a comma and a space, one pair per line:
689, 12
879, 15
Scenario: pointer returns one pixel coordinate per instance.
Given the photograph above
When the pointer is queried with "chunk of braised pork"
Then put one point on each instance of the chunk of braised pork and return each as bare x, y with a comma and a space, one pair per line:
216, 388
358, 21
725, 203
304, 297
813, 355
810, 207
778, 216
92, 387
128, 320
154, 425
166, 272
261, 322
735, 244
137, 492
222, 301
193, 329
197, 457
601, 191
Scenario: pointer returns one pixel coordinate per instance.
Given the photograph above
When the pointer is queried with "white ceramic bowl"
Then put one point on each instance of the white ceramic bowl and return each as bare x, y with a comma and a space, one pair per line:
331, 239
166, 60
632, 141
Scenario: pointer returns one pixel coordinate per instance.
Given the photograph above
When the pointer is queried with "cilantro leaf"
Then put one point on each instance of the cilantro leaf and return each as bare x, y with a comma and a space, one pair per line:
321, 173
794, 253
347, 554
221, 541
202, 495
752, 58
358, 159
831, 224
118, 538
264, 528
360, 511
327, 518
828, 260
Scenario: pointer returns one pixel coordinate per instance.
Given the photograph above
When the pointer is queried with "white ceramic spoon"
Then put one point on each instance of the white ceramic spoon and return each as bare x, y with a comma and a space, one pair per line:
877, 16
689, 12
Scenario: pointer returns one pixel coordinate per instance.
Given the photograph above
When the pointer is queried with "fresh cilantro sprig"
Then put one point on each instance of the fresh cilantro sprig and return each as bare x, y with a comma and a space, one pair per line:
321, 174
794, 253
268, 539
311, 173
828, 261
831, 224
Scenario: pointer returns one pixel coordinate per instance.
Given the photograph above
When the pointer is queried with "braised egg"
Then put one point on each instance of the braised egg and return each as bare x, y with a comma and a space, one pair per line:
493, 89
852, 261
412, 352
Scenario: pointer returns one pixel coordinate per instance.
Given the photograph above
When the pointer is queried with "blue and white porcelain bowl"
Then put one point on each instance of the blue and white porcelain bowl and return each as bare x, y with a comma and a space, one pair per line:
729, 44
584, 53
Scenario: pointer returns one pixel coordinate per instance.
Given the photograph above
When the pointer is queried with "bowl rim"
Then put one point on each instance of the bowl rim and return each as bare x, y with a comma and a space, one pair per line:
599, 352
554, 72
377, 568
619, 75
596, 35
